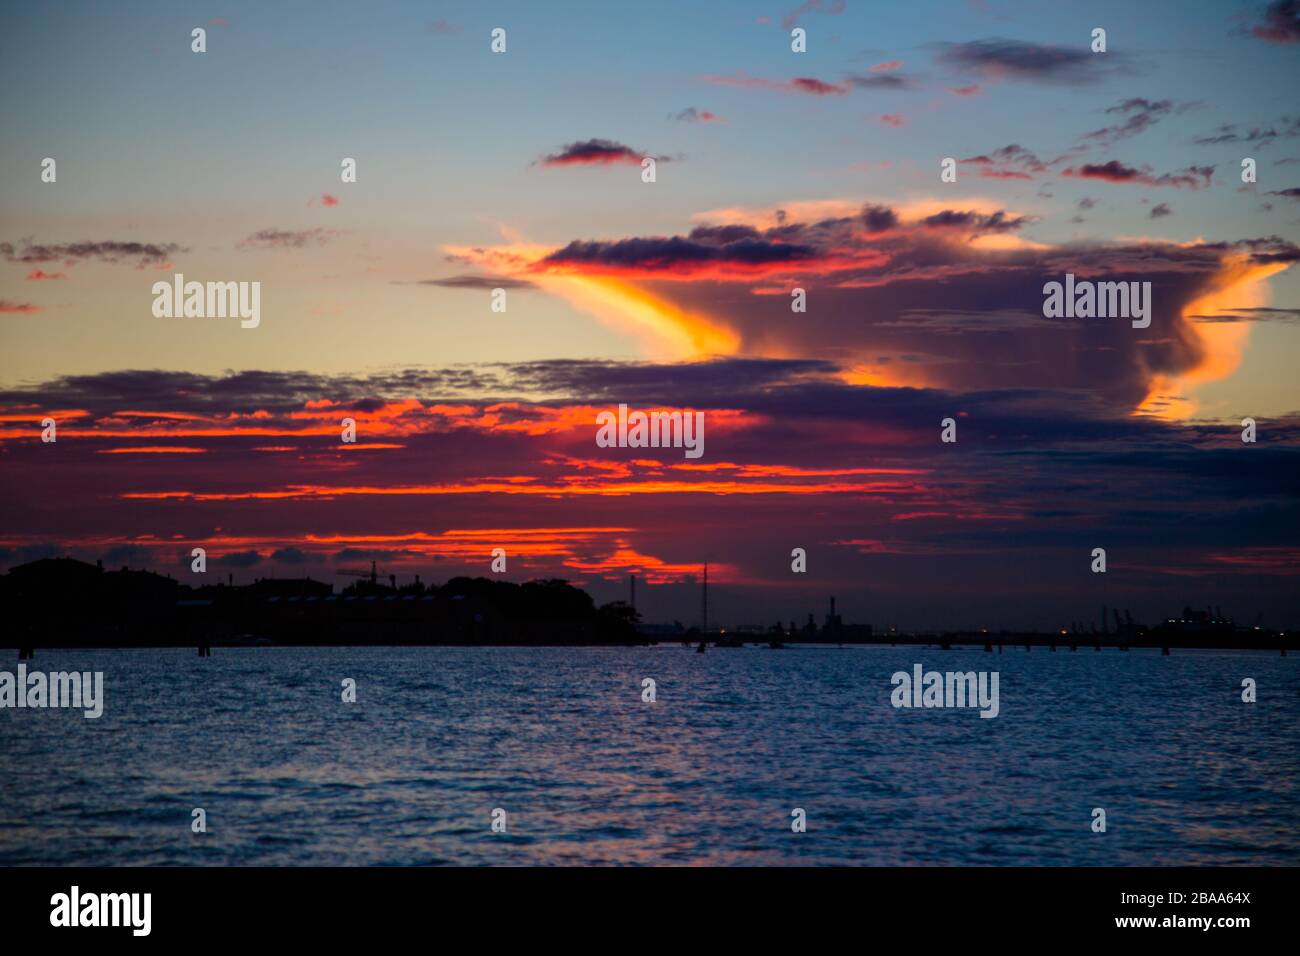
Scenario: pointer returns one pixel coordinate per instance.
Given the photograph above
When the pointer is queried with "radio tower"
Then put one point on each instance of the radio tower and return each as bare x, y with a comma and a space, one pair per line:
704, 613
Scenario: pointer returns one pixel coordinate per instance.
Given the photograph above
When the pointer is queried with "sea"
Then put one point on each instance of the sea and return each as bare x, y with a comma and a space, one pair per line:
744, 756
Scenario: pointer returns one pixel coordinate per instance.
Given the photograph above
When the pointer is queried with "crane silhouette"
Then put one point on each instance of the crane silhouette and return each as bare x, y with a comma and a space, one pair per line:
372, 574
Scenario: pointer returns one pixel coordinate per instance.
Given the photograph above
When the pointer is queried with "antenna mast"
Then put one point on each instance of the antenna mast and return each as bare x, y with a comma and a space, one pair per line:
705, 611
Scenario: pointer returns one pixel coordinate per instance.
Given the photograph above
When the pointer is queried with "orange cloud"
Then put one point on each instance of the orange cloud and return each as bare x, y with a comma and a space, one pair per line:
153, 450
1240, 284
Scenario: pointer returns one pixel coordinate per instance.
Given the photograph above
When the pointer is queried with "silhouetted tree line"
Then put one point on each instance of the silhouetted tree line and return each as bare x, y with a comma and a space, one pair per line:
62, 602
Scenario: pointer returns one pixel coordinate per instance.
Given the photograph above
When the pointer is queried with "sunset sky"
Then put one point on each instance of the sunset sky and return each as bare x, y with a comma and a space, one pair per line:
775, 170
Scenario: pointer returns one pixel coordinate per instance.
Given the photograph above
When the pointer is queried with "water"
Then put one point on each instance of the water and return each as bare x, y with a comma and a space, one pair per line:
589, 774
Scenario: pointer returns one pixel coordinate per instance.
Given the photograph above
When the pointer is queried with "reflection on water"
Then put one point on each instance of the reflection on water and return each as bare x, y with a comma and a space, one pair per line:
588, 773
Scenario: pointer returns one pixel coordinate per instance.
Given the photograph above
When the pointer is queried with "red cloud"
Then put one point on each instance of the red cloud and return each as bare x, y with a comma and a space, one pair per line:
17, 308
39, 275
327, 200
886, 66
972, 90
893, 119
806, 84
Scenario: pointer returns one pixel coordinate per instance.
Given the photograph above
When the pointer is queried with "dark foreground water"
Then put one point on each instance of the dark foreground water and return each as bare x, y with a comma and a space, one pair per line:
560, 739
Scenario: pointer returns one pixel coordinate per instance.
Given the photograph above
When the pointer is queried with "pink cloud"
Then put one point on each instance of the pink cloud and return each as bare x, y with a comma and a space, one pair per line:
17, 308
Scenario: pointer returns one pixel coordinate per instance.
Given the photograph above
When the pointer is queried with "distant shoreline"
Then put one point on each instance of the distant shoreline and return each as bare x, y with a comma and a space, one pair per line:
988, 643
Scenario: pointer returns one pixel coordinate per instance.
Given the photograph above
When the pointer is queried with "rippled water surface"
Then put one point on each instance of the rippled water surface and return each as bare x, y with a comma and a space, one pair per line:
709, 773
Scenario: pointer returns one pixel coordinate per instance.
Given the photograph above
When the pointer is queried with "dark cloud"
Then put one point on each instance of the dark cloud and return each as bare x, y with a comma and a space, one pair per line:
975, 223
1281, 22
475, 282
1292, 193
239, 559
1113, 171
289, 238
1260, 314
127, 555
878, 218
249, 392
1141, 115
289, 556
1160, 210
111, 251
1009, 162
882, 81
670, 253
1288, 127
998, 58
594, 152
